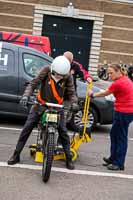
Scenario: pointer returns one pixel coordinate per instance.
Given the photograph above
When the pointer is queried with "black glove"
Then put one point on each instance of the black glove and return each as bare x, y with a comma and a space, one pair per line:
24, 101
75, 107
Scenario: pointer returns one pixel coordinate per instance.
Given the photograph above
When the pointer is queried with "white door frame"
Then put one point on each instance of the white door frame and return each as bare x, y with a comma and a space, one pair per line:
70, 11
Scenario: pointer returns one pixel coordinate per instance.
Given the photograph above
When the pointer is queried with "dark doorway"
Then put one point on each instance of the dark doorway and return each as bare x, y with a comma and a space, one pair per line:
69, 34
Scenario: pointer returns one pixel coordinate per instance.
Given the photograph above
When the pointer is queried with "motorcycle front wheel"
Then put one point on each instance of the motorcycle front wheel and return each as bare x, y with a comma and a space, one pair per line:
48, 154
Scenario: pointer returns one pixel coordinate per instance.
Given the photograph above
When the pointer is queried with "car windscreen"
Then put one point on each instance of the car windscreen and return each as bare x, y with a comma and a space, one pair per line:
82, 88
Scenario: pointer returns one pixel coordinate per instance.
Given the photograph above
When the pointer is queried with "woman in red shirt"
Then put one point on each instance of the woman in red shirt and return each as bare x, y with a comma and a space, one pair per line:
122, 89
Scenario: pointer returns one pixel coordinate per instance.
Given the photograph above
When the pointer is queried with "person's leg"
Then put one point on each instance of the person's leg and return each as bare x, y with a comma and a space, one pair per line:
112, 142
109, 160
65, 141
30, 123
113, 138
123, 121
122, 138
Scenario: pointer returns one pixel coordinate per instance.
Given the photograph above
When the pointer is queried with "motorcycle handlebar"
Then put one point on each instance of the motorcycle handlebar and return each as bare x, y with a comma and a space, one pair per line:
46, 104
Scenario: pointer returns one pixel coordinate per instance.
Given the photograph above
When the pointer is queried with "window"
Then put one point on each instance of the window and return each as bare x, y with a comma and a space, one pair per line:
33, 64
6, 61
124, 1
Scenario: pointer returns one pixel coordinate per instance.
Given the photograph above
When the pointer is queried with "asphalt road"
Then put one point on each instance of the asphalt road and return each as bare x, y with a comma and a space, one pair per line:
89, 181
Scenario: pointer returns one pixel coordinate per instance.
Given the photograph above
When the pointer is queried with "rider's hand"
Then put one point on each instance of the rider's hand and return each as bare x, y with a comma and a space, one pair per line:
24, 101
75, 107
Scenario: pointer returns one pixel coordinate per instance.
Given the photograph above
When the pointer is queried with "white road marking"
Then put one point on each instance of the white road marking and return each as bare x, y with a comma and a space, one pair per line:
35, 131
78, 172
13, 129
20, 129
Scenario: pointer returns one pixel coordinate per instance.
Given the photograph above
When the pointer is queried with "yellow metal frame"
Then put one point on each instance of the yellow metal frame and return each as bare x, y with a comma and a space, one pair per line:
76, 141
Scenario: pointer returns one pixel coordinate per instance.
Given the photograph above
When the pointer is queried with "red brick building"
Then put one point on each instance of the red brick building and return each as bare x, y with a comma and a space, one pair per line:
112, 32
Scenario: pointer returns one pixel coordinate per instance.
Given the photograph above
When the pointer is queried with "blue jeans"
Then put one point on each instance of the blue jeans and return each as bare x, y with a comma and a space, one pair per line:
119, 137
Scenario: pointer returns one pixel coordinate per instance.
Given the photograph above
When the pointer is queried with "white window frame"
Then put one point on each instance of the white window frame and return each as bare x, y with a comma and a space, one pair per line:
124, 1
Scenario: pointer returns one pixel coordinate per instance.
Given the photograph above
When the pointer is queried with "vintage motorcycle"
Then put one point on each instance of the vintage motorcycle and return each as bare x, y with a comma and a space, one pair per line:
102, 72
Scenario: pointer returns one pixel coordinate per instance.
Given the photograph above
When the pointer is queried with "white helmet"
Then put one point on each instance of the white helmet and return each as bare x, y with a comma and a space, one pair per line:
60, 65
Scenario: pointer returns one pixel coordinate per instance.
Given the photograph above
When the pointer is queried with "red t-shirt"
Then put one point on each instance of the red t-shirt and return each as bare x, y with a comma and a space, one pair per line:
122, 89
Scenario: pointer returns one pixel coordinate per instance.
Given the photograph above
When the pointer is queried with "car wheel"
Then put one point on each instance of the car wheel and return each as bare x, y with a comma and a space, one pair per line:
92, 119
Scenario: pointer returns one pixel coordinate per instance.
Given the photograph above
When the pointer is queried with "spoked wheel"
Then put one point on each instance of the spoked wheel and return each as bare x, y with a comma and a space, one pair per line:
92, 118
48, 157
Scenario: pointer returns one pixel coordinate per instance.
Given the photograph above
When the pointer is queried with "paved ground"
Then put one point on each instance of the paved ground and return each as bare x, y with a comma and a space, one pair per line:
90, 180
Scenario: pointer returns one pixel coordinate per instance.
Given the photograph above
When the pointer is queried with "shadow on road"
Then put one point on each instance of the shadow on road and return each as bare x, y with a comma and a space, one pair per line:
102, 129
11, 120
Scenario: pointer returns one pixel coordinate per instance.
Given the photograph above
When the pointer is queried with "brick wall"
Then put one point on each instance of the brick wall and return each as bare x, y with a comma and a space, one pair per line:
117, 26
14, 16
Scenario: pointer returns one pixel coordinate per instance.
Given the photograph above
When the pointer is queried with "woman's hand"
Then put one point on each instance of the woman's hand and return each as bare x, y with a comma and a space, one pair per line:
90, 93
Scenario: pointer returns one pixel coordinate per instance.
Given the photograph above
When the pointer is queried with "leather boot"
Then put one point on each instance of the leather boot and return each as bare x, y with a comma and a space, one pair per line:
70, 164
107, 161
115, 167
15, 158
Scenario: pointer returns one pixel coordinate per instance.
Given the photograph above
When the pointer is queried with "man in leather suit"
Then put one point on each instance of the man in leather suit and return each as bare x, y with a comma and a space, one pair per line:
58, 74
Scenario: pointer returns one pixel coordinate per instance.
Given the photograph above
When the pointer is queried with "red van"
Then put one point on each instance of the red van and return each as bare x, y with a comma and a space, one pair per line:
41, 43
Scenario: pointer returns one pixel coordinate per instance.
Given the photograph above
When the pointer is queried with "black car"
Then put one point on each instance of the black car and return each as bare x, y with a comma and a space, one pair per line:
18, 65
101, 109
